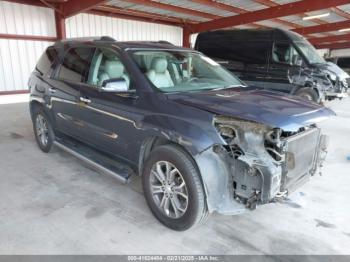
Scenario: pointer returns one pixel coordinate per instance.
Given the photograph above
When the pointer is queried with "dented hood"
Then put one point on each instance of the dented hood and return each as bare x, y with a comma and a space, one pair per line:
270, 108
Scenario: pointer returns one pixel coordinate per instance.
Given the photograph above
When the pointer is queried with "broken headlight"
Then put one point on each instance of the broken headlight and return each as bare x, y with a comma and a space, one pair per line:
240, 135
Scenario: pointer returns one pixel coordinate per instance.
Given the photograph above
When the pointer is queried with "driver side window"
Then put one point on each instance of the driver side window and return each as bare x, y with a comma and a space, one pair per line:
106, 65
283, 53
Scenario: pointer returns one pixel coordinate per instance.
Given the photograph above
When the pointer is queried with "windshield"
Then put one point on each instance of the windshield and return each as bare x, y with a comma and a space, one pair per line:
183, 71
310, 53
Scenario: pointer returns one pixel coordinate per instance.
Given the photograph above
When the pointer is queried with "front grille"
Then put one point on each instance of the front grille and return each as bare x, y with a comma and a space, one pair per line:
300, 158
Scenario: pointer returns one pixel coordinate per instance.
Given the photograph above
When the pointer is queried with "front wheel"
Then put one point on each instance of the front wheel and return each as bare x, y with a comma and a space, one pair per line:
308, 94
43, 131
173, 189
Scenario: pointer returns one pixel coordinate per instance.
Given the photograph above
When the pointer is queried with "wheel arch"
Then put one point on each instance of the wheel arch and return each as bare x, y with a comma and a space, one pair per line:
153, 142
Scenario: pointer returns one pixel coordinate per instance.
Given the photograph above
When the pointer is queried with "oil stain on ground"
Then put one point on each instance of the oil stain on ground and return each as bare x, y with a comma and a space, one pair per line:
16, 136
321, 223
94, 212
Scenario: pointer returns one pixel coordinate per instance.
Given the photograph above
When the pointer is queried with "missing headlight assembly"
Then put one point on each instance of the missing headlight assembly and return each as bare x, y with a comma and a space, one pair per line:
256, 163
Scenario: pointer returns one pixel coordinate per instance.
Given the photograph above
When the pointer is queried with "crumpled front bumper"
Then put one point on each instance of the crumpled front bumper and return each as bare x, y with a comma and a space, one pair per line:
234, 186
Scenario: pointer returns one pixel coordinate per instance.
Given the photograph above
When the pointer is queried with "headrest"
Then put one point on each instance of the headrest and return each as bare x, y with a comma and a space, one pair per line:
115, 69
159, 65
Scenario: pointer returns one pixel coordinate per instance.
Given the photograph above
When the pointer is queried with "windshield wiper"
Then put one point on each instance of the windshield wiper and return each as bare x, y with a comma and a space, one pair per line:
227, 87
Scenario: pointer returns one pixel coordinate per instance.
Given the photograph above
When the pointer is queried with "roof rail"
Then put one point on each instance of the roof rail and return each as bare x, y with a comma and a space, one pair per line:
88, 39
165, 42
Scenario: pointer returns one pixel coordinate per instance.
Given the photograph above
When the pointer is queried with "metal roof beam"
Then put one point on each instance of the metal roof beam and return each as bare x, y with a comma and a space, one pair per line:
140, 15
268, 13
238, 10
333, 46
174, 8
74, 7
329, 39
323, 28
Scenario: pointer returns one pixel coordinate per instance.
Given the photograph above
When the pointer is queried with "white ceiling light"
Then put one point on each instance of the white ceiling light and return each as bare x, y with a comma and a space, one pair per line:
315, 16
344, 30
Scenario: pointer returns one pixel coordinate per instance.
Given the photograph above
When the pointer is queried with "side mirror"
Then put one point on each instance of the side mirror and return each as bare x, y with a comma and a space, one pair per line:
296, 60
115, 85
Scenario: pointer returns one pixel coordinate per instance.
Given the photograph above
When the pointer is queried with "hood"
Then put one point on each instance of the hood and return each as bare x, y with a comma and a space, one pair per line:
270, 108
334, 69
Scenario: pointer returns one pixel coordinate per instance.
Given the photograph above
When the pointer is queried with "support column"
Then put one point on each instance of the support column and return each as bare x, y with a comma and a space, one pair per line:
186, 34
60, 26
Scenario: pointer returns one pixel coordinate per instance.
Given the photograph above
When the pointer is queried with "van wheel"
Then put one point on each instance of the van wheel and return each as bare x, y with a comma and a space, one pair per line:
173, 189
308, 94
43, 131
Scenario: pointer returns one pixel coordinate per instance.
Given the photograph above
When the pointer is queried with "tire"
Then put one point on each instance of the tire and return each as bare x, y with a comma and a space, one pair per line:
308, 94
43, 131
190, 212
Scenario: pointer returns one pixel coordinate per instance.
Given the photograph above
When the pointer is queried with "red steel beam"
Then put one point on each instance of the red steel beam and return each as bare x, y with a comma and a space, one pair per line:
60, 26
129, 16
341, 12
147, 17
270, 3
28, 37
74, 7
174, 8
329, 39
333, 46
323, 28
14, 92
268, 13
186, 34
238, 10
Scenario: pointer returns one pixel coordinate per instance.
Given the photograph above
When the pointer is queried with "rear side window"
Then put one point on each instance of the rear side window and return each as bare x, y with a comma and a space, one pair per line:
46, 60
344, 62
251, 52
75, 65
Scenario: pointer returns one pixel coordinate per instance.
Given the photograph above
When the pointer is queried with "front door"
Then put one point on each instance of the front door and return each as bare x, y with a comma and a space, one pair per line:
109, 118
282, 71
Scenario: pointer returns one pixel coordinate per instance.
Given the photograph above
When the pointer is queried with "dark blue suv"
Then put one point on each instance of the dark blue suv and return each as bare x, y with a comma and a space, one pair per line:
201, 140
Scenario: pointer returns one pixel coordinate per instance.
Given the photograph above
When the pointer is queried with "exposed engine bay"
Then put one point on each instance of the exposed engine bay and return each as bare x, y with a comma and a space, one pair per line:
266, 163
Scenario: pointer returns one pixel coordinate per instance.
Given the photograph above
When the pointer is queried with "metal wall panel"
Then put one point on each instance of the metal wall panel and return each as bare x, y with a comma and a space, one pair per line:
17, 61
18, 57
121, 29
340, 52
26, 20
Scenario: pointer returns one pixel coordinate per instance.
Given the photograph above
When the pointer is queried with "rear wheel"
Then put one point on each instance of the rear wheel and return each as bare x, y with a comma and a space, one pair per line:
308, 94
173, 189
43, 131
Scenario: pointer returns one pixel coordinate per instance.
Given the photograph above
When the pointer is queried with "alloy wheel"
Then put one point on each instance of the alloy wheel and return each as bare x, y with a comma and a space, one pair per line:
42, 129
168, 189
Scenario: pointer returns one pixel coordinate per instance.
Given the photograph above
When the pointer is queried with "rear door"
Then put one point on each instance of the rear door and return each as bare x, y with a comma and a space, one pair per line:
65, 89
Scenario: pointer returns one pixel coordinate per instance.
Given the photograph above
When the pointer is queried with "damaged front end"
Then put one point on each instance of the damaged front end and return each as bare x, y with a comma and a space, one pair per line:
256, 164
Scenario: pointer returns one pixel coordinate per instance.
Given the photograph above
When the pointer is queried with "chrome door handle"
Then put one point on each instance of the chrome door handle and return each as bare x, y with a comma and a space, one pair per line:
85, 100
52, 90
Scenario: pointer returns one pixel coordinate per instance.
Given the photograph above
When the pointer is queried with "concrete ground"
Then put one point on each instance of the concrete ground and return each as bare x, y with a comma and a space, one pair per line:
54, 204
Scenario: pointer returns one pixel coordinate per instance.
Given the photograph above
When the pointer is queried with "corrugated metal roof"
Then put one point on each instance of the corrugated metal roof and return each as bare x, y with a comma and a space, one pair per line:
245, 5
197, 7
